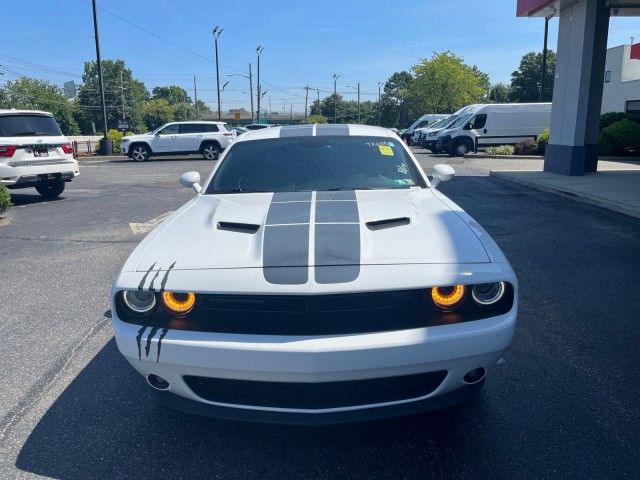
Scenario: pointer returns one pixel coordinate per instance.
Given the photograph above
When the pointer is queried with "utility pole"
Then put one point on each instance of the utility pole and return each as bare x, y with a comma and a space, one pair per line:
195, 96
122, 95
216, 33
290, 113
335, 97
544, 59
107, 146
319, 110
379, 86
306, 100
359, 102
258, 52
251, 90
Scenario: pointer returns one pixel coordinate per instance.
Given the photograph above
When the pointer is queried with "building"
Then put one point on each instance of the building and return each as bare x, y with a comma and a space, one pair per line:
578, 88
621, 92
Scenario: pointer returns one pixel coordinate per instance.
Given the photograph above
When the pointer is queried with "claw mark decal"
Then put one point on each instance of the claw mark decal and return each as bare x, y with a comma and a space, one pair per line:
162, 335
152, 333
151, 289
144, 279
139, 340
166, 277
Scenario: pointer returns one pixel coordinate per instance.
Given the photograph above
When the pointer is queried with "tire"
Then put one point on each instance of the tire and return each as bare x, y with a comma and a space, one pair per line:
460, 148
210, 151
139, 152
51, 189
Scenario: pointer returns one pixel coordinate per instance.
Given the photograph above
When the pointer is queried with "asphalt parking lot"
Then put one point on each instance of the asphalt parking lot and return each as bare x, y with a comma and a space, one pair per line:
564, 403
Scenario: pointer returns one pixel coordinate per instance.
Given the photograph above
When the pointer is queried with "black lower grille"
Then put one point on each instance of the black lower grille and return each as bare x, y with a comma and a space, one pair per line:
315, 395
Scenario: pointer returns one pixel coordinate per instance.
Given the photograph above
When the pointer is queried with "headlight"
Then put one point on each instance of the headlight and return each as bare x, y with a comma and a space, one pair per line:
178, 303
448, 298
138, 301
488, 293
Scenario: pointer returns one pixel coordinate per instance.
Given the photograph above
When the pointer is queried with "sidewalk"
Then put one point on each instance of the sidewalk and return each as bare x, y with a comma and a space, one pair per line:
616, 185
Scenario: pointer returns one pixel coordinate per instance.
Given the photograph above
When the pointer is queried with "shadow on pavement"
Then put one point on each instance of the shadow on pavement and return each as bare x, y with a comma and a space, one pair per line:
29, 198
106, 424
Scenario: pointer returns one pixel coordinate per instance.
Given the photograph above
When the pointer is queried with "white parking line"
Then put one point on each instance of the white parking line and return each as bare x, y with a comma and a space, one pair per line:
139, 228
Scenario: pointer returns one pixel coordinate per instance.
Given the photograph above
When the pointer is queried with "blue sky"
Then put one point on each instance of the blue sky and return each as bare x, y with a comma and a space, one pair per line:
305, 42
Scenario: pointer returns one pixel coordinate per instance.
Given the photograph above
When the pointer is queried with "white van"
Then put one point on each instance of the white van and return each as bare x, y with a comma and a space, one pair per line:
485, 125
423, 121
429, 135
34, 152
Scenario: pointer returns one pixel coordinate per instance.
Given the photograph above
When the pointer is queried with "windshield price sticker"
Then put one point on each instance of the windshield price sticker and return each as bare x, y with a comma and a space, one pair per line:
386, 150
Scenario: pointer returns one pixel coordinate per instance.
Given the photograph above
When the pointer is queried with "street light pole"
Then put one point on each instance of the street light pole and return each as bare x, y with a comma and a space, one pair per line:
107, 148
216, 33
250, 77
379, 85
544, 59
258, 52
358, 89
335, 97
306, 102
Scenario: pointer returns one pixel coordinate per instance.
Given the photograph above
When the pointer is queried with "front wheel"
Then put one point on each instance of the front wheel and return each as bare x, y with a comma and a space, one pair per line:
460, 149
210, 151
51, 189
140, 153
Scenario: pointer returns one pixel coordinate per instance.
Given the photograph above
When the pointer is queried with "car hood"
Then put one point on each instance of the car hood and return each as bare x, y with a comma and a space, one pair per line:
256, 230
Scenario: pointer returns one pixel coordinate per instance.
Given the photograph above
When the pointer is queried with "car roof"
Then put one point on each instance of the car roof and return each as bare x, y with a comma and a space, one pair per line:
14, 111
311, 130
196, 121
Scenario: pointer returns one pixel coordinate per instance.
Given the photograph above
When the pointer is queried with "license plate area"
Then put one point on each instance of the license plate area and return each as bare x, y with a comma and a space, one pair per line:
40, 152
48, 177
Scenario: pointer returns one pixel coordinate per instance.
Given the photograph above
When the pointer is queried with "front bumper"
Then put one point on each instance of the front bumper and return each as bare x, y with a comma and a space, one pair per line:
28, 174
455, 349
443, 143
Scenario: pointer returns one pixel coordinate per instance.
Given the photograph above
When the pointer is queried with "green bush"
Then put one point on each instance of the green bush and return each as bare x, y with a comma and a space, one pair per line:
610, 118
500, 150
543, 141
5, 200
116, 136
620, 137
526, 147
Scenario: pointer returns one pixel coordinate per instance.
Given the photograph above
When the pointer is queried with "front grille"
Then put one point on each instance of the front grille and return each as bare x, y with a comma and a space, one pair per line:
333, 314
315, 396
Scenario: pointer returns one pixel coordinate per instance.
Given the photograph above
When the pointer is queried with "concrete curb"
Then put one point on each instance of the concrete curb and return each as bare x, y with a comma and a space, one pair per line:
578, 196
100, 158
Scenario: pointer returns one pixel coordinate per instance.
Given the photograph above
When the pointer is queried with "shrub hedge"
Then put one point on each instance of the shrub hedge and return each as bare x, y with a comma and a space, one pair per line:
526, 147
5, 200
620, 137
500, 150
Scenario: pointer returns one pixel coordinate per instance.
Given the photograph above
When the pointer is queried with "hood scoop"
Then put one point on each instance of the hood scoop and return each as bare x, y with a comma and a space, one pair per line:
388, 223
250, 228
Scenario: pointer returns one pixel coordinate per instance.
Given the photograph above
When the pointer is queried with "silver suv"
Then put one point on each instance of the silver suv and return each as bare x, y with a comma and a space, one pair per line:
179, 138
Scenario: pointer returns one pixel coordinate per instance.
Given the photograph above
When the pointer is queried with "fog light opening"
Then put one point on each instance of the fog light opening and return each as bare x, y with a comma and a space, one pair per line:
474, 376
157, 382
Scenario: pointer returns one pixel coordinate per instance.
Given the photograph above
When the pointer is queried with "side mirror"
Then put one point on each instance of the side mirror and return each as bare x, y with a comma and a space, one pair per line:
191, 180
467, 126
157, 133
442, 173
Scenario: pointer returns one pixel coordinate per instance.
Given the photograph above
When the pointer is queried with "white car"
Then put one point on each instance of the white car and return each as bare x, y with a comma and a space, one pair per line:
35, 153
179, 138
318, 276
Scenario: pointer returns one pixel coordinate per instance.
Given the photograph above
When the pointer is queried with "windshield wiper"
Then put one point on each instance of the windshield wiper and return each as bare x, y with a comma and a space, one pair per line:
338, 189
239, 190
24, 134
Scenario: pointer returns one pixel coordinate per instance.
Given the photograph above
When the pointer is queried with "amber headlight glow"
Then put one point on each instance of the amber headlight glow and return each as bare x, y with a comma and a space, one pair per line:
178, 303
448, 298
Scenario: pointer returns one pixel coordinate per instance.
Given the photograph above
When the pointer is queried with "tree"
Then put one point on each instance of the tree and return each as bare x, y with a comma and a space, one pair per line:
32, 94
526, 80
499, 93
157, 112
172, 94
202, 110
135, 94
397, 103
183, 112
444, 84
316, 119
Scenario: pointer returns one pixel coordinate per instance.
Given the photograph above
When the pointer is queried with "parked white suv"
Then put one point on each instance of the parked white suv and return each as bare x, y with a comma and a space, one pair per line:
179, 138
34, 152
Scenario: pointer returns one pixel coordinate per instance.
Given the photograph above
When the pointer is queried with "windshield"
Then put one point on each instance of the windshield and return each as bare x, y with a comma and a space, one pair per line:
460, 121
440, 123
28, 126
315, 163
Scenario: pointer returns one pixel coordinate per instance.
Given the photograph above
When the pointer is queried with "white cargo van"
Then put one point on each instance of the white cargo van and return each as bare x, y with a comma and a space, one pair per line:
430, 134
34, 152
494, 124
423, 121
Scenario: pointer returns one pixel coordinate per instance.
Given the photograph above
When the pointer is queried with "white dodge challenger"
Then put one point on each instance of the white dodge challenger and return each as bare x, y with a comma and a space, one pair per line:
318, 276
